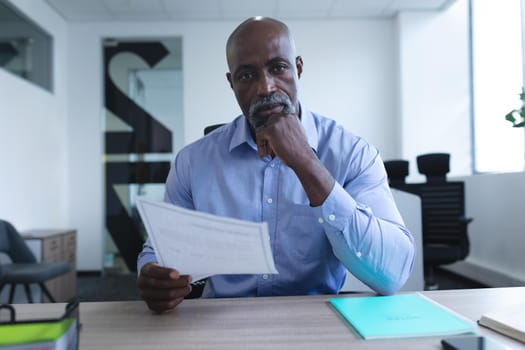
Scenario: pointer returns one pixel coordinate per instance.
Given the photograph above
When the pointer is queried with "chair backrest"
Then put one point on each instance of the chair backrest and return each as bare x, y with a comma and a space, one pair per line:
210, 128
397, 171
443, 213
444, 225
435, 166
12, 244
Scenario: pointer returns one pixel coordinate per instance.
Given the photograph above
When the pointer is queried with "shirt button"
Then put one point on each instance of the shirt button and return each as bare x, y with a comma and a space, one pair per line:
272, 165
331, 217
269, 200
320, 220
265, 277
358, 254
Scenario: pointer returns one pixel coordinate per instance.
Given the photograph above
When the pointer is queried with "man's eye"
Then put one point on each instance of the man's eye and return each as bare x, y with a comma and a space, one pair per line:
279, 68
246, 76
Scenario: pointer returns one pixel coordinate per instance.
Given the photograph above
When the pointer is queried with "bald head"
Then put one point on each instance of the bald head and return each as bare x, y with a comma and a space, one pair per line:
264, 28
264, 70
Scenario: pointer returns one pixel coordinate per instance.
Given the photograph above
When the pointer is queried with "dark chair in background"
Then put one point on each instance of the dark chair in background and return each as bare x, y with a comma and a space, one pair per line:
435, 166
210, 128
24, 268
397, 171
445, 238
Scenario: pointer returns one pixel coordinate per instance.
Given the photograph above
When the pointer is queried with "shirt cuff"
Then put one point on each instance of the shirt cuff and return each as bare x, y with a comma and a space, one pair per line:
336, 209
147, 255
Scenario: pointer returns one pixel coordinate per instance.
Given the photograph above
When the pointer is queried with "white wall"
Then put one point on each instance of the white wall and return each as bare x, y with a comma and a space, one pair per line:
32, 137
497, 233
349, 75
434, 86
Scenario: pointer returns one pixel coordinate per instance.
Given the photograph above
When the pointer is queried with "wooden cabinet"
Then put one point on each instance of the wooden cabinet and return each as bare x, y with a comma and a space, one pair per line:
56, 246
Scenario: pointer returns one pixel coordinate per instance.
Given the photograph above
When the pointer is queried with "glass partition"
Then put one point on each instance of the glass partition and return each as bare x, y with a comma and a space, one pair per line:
143, 130
25, 48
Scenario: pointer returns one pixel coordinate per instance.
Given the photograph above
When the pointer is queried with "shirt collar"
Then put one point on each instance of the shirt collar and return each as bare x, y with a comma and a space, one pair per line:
242, 134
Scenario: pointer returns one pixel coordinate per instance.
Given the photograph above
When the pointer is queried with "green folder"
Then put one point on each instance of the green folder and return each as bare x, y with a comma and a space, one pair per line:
399, 316
35, 334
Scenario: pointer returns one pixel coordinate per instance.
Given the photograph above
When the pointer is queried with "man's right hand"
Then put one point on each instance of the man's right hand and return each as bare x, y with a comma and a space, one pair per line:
162, 288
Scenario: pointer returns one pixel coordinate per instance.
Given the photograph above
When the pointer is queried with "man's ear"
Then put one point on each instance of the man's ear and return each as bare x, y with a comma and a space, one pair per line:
299, 65
229, 77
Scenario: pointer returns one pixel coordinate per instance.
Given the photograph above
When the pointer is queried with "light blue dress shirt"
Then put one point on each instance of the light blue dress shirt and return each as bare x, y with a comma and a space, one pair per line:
358, 227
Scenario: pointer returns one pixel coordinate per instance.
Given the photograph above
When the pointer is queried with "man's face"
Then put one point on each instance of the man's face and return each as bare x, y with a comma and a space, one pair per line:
264, 72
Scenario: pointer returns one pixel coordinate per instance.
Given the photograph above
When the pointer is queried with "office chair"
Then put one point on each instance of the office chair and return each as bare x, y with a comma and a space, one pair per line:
24, 268
445, 237
397, 171
210, 128
435, 166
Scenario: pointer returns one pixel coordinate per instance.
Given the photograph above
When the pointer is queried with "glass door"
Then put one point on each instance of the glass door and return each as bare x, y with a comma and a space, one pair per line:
143, 131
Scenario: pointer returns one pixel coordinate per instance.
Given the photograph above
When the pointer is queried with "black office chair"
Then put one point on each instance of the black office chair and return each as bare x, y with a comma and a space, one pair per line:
445, 237
210, 128
397, 171
435, 166
24, 269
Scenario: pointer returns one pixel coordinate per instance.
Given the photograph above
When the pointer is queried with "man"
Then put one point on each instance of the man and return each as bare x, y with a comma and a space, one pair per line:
322, 190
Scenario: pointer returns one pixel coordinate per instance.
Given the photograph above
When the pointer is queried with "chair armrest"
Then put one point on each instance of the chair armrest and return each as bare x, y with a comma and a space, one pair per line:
465, 220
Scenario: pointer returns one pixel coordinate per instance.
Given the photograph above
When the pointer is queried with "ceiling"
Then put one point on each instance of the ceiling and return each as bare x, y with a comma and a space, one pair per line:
159, 10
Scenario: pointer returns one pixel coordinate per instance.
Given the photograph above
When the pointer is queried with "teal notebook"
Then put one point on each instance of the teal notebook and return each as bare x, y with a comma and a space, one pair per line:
402, 315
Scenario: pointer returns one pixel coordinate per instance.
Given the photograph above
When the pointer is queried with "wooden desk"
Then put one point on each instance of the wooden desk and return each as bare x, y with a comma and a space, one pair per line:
305, 322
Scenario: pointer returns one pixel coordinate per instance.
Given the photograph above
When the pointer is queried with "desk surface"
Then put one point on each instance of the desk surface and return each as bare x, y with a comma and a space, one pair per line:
302, 322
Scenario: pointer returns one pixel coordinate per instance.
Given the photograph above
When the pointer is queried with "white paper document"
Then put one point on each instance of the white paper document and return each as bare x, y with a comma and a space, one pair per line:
201, 244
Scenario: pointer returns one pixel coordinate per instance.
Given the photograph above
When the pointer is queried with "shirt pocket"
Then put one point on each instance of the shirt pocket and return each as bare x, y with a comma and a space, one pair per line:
305, 235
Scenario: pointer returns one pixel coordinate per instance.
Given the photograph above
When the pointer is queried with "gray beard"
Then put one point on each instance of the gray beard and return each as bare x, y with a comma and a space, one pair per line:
277, 98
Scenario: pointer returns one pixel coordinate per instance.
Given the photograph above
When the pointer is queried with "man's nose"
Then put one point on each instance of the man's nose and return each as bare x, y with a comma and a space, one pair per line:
266, 85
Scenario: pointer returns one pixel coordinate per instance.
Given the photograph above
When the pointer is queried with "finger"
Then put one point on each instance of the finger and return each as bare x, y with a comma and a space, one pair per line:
262, 147
265, 150
162, 307
165, 294
146, 282
156, 271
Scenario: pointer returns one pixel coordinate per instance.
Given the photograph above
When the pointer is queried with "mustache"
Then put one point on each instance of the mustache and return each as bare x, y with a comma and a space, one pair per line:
270, 100
266, 102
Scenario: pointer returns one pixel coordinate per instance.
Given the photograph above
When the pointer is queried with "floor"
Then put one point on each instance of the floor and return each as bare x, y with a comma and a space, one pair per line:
107, 288
448, 280
123, 287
